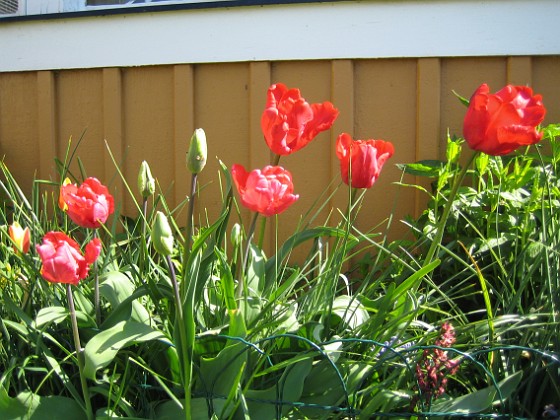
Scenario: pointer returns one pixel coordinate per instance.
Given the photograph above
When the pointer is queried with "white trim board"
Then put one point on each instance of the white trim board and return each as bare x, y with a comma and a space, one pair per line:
361, 29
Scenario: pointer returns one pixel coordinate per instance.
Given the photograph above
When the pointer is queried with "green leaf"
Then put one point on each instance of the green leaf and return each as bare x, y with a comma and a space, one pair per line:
169, 410
33, 407
103, 347
50, 314
116, 287
428, 168
289, 389
482, 399
255, 272
221, 374
463, 100
350, 311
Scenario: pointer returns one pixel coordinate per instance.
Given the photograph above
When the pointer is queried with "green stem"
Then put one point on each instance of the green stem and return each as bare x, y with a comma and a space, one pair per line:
96, 289
145, 215
443, 220
79, 354
241, 290
189, 231
261, 232
185, 349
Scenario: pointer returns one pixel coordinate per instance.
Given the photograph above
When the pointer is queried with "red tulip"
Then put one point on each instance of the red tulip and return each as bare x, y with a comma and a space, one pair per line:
88, 205
268, 191
499, 123
63, 262
363, 158
20, 237
289, 123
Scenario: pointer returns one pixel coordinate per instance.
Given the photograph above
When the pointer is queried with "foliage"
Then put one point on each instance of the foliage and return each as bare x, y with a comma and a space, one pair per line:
199, 322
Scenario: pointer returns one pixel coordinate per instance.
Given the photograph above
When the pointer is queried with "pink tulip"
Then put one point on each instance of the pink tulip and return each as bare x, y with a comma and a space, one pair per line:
268, 191
88, 205
63, 261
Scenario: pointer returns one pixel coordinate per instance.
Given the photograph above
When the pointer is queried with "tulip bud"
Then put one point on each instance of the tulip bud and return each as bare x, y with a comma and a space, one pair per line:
162, 235
196, 156
146, 182
236, 235
20, 237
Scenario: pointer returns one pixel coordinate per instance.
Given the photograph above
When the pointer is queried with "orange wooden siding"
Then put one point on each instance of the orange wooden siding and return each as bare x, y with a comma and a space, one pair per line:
149, 113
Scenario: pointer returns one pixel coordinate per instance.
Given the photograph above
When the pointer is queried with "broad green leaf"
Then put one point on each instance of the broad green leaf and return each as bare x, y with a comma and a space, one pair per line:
255, 272
103, 347
289, 389
116, 287
221, 374
328, 385
481, 400
170, 410
350, 311
34, 407
50, 314
428, 168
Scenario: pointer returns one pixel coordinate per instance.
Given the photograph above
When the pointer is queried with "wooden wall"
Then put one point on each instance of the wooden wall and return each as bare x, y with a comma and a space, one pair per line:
149, 113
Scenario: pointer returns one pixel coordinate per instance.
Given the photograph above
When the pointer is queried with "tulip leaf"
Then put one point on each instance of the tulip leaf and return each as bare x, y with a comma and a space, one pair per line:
117, 288
222, 374
34, 407
255, 271
428, 168
50, 314
103, 347
480, 400
170, 410
288, 389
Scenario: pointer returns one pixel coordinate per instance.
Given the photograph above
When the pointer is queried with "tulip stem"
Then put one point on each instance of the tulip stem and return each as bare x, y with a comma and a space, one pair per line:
79, 353
436, 242
241, 290
185, 349
96, 289
189, 232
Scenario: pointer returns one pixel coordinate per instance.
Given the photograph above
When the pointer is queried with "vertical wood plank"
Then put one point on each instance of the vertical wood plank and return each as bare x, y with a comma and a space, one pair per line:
184, 126
46, 123
342, 97
259, 82
519, 71
428, 118
259, 153
113, 128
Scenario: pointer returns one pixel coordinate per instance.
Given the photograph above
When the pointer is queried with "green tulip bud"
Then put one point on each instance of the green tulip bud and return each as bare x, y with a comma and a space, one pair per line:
146, 182
196, 156
236, 235
162, 235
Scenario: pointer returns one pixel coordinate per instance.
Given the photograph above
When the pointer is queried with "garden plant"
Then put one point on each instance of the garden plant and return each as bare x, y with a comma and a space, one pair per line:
164, 314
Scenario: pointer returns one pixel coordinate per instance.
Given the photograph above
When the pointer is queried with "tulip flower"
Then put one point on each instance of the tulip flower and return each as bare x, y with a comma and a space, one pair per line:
20, 237
88, 205
289, 123
268, 191
500, 123
361, 161
63, 261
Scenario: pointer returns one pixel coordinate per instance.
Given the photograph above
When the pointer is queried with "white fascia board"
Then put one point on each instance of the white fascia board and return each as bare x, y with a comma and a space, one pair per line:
339, 30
